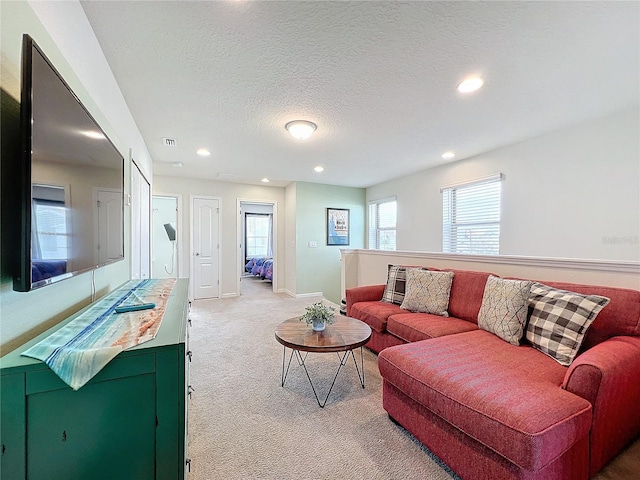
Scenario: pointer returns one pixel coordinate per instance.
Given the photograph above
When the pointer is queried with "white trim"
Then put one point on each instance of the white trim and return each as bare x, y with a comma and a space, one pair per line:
490, 178
304, 295
392, 198
613, 266
229, 295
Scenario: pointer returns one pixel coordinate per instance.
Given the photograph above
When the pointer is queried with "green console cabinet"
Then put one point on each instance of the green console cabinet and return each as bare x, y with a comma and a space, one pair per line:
128, 422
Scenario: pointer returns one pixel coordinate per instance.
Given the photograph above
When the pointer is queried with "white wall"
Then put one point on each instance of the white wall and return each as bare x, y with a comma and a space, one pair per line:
573, 193
290, 239
63, 32
229, 243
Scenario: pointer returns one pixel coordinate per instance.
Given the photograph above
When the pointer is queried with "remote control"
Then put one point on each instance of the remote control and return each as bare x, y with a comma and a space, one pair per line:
133, 308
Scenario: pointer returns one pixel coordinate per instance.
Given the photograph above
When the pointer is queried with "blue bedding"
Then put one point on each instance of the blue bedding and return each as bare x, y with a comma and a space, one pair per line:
260, 267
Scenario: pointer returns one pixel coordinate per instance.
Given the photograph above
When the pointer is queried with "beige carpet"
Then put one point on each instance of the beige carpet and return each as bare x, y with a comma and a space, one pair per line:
244, 425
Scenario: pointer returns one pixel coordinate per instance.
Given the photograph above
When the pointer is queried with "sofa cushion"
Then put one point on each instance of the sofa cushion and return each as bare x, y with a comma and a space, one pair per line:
467, 290
375, 314
413, 327
427, 291
504, 308
506, 397
560, 319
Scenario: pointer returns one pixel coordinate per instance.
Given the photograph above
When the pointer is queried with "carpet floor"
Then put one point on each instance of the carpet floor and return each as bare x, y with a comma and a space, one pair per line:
244, 425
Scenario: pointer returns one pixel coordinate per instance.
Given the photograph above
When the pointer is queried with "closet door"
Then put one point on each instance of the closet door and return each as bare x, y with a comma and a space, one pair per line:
140, 224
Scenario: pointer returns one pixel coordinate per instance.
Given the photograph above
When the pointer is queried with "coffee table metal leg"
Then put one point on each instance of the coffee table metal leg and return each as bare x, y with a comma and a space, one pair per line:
343, 361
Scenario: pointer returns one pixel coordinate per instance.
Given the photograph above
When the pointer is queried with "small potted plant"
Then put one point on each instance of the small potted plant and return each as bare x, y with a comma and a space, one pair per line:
318, 316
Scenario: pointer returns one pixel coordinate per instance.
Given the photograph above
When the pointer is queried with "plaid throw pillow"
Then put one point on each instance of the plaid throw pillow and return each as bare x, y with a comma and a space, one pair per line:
396, 281
559, 320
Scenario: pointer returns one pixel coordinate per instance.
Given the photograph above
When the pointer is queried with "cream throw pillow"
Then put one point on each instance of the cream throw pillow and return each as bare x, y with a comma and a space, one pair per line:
427, 291
504, 309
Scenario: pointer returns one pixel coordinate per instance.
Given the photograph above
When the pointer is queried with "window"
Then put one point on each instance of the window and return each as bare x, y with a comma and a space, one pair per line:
50, 234
258, 232
382, 224
471, 217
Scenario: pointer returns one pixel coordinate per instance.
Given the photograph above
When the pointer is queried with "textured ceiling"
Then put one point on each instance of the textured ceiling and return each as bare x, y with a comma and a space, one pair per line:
378, 78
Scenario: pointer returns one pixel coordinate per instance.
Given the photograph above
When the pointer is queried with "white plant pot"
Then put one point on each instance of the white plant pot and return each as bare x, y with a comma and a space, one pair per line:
318, 325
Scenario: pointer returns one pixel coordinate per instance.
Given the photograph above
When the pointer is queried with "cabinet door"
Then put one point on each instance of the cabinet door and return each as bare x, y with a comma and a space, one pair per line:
12, 426
105, 430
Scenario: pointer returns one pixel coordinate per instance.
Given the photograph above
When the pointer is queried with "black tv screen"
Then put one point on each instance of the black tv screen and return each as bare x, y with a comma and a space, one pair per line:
71, 181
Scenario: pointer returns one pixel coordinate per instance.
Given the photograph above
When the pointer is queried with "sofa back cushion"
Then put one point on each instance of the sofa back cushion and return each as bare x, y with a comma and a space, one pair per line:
466, 295
620, 317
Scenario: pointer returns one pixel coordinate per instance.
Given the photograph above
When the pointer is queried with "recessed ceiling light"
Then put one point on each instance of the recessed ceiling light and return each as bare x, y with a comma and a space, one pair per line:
176, 164
265, 180
319, 169
93, 134
301, 129
470, 85
203, 152
448, 155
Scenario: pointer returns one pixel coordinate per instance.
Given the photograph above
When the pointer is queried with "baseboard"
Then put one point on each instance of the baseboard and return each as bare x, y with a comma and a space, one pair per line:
301, 295
229, 295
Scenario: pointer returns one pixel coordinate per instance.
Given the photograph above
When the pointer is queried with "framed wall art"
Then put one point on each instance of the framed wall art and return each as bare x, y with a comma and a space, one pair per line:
337, 226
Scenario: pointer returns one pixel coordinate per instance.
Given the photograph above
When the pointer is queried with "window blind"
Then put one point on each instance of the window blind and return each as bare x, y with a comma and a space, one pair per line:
382, 224
471, 217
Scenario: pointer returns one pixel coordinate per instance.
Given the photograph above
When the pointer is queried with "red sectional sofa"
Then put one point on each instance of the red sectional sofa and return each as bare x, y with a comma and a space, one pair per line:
493, 410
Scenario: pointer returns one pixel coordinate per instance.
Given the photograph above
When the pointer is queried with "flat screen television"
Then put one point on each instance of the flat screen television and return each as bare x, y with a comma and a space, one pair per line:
70, 181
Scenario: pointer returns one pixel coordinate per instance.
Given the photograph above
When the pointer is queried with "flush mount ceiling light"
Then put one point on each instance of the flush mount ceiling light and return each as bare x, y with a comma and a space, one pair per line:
470, 85
448, 155
176, 164
265, 180
301, 129
203, 152
319, 168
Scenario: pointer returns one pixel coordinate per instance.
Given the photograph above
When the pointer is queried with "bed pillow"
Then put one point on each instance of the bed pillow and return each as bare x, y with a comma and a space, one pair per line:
560, 319
504, 308
427, 291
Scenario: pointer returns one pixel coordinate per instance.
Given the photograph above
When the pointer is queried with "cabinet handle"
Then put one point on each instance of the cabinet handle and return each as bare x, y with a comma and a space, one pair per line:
64, 436
3, 449
188, 462
189, 354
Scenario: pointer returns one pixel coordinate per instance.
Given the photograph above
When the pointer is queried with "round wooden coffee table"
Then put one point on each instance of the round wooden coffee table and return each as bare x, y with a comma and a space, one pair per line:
344, 335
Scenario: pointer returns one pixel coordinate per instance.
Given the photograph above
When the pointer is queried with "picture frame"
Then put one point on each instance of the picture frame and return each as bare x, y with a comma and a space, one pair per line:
338, 226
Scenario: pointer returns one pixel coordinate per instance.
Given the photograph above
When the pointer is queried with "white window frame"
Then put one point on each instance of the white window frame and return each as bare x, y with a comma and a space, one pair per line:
483, 220
374, 229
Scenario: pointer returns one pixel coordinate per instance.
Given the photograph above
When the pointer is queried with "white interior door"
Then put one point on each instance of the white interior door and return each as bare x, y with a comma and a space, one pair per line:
140, 224
109, 225
205, 247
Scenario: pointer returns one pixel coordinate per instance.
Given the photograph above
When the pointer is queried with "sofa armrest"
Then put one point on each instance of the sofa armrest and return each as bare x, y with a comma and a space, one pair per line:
608, 376
367, 293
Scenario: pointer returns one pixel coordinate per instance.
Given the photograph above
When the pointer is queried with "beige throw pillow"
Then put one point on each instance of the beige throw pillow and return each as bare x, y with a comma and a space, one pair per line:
427, 291
504, 309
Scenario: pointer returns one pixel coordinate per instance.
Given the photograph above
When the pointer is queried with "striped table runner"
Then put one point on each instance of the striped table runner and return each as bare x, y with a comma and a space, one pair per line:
80, 349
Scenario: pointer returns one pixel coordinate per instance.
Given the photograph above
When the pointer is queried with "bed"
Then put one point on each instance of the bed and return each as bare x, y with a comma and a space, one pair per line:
260, 267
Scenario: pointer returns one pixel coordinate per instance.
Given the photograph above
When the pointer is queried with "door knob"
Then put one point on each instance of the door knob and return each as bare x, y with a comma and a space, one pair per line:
197, 254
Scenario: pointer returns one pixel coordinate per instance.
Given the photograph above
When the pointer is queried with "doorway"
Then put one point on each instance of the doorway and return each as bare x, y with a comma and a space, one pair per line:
166, 236
257, 258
